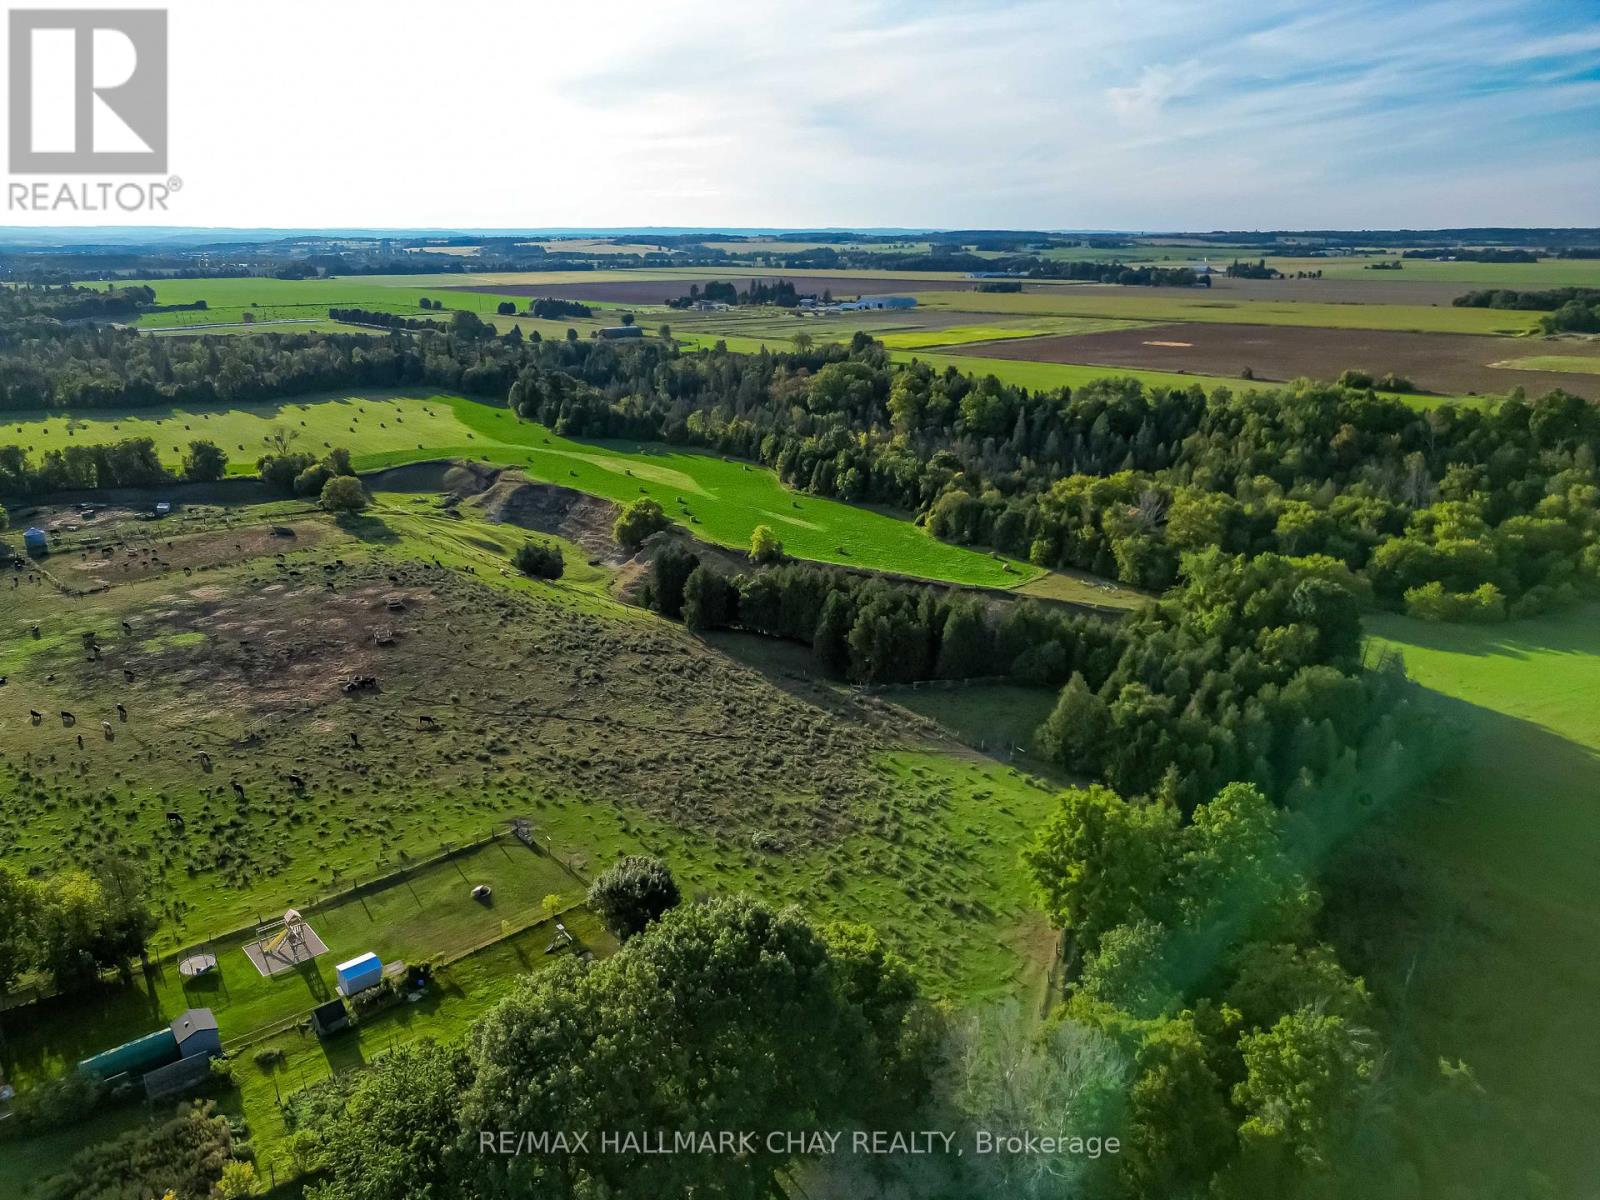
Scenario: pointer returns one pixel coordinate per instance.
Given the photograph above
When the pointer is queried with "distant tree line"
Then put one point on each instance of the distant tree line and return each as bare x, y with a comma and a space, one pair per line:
780, 293
1478, 255
1239, 269
130, 463
548, 308
384, 320
1541, 300
70, 303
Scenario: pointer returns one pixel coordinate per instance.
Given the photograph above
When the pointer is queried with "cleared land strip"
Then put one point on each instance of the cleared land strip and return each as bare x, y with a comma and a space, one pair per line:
1132, 304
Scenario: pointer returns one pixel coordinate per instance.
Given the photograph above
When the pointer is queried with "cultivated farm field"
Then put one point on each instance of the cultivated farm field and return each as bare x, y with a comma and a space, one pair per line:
1438, 363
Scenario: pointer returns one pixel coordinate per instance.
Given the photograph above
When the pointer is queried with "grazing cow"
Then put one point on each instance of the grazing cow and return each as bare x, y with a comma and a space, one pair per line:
36, 715
428, 721
35, 633
354, 740
297, 782
238, 789
68, 719
127, 674
105, 728
205, 761
122, 712
2, 681
127, 628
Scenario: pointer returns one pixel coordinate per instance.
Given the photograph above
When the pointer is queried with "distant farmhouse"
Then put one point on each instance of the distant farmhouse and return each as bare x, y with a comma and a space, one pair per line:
864, 302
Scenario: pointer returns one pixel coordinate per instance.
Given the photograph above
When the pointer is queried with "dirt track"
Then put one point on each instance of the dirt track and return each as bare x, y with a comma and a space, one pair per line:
1446, 363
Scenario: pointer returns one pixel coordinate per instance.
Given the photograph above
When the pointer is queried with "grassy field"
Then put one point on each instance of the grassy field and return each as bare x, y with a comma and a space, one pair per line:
720, 500
1552, 362
1504, 840
612, 731
1546, 273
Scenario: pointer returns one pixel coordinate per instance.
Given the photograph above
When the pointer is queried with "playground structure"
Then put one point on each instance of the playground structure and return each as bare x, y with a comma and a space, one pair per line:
284, 944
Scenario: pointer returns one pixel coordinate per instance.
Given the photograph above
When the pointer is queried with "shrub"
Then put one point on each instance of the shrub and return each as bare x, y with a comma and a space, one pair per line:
638, 521
59, 1102
1430, 602
312, 480
204, 463
344, 494
764, 545
238, 1182
539, 560
184, 1156
630, 895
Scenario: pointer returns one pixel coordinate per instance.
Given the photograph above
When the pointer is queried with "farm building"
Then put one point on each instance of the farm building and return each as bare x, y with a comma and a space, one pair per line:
328, 1019
866, 302
36, 541
622, 331
151, 1058
196, 1033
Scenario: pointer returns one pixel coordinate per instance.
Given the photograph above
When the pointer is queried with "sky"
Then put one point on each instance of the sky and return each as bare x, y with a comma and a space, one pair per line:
1145, 115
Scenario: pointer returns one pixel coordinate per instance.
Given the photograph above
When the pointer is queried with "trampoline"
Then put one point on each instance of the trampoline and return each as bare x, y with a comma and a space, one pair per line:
196, 965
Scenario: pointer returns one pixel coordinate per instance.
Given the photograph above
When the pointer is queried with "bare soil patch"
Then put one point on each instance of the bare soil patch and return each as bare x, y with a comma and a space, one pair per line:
545, 508
1446, 363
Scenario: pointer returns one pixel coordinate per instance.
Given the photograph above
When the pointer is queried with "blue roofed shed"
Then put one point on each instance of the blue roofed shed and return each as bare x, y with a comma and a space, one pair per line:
358, 974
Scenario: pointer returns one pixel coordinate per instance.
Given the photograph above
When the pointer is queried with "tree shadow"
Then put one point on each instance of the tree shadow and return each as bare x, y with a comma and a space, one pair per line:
367, 528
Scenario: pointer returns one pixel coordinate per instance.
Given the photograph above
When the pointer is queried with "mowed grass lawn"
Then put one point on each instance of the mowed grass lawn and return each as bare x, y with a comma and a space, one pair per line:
718, 499
1508, 976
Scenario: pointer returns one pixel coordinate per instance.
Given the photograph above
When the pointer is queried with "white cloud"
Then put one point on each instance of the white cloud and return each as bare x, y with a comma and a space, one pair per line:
1156, 114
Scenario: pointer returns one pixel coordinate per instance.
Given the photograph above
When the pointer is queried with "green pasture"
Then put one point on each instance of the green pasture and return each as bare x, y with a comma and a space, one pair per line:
1134, 304
1506, 972
1045, 375
1546, 273
719, 499
1575, 363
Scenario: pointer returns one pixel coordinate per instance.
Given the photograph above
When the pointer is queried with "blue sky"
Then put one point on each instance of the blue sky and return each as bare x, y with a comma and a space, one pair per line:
1149, 114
